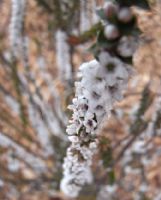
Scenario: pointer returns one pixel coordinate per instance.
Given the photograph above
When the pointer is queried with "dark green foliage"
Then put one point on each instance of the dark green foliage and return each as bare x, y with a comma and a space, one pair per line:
91, 33
111, 177
107, 157
140, 3
100, 12
158, 120
103, 44
146, 101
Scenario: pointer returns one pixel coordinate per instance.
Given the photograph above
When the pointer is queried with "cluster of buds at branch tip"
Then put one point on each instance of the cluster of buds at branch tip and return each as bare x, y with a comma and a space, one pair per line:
114, 14
118, 35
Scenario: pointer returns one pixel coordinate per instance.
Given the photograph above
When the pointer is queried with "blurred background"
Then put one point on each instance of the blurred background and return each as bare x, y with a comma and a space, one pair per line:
42, 44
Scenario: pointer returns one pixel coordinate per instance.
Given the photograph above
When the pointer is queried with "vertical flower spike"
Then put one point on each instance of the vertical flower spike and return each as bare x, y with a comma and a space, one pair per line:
16, 25
101, 85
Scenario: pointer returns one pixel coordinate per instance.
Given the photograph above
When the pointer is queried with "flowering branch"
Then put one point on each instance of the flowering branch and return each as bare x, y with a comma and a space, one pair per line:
101, 85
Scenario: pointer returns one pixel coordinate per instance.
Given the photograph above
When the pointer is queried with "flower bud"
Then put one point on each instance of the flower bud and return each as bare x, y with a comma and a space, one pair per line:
110, 9
111, 32
125, 15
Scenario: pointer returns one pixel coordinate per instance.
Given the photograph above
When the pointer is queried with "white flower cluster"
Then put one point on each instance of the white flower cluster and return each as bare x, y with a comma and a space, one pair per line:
16, 24
127, 44
123, 14
101, 85
77, 171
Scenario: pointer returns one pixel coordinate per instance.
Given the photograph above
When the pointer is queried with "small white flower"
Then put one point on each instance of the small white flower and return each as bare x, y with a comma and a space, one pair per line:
71, 129
75, 101
71, 107
111, 80
73, 138
90, 125
93, 145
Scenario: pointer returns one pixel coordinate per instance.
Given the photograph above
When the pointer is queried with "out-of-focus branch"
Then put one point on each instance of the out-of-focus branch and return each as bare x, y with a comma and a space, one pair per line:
85, 36
16, 82
33, 159
139, 125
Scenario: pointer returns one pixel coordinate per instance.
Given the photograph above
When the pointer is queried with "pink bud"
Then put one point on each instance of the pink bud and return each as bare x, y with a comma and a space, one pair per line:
125, 15
110, 9
111, 32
